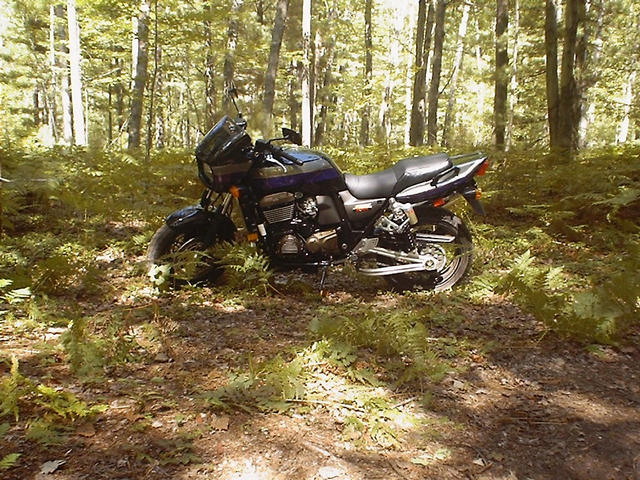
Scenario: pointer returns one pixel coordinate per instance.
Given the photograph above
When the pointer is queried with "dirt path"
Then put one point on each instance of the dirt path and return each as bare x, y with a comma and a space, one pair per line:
524, 407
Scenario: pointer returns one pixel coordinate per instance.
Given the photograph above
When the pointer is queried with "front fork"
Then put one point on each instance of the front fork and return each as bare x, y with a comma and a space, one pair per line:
224, 207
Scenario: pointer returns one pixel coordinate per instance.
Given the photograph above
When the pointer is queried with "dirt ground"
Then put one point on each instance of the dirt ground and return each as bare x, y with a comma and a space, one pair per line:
530, 407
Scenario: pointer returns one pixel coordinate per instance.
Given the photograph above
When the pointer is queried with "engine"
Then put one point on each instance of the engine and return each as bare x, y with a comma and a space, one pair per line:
291, 225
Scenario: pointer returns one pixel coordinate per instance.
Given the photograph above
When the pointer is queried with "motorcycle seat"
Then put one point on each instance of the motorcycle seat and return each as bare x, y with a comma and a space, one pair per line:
403, 174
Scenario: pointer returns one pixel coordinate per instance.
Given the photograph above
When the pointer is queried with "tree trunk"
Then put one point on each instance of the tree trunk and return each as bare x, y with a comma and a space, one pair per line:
551, 71
140, 80
52, 119
627, 98
416, 129
513, 83
588, 60
307, 120
325, 66
434, 87
292, 101
457, 66
501, 75
230, 56
209, 71
152, 93
159, 138
368, 73
272, 67
75, 59
568, 112
63, 67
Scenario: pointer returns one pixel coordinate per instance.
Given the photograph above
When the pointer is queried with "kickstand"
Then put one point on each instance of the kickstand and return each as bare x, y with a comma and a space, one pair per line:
323, 278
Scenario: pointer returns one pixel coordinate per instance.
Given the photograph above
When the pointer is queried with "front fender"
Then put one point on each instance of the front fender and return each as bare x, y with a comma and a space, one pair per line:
196, 218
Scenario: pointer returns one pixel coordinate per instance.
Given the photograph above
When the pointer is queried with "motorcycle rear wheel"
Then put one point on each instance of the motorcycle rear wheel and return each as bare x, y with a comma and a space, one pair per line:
456, 255
182, 256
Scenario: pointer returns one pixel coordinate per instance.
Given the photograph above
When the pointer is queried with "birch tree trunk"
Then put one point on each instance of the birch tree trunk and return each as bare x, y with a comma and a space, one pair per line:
272, 68
627, 97
75, 58
140, 79
434, 87
307, 120
457, 66
551, 71
53, 116
501, 75
63, 68
513, 83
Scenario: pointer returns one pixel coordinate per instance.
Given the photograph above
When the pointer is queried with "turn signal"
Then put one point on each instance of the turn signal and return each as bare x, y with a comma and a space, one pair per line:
438, 202
478, 194
235, 191
252, 237
483, 168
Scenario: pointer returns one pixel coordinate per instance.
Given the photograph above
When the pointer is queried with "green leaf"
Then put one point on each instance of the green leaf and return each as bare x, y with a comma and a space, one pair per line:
9, 461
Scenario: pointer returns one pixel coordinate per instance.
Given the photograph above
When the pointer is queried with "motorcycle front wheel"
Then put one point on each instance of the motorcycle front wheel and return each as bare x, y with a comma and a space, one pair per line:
450, 259
181, 256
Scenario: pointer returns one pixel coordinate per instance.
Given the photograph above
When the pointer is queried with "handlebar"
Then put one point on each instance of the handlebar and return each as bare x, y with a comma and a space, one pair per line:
262, 145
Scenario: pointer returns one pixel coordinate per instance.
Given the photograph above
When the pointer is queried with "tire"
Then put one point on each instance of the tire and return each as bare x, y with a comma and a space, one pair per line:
455, 257
180, 256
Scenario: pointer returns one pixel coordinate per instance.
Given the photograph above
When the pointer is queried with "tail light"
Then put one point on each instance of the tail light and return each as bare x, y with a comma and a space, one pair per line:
483, 168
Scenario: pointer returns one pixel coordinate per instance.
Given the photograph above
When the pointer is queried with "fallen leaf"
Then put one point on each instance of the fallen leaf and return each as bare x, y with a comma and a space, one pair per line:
51, 466
86, 430
220, 423
479, 461
330, 472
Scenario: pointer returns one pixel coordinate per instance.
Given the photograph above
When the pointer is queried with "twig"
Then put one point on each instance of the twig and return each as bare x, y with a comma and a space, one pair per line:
317, 449
403, 403
327, 403
396, 469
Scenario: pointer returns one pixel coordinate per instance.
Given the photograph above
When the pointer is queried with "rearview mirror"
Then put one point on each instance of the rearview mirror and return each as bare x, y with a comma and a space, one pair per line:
292, 136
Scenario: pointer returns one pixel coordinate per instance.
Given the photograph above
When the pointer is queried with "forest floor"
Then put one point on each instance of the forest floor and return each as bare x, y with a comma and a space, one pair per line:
513, 403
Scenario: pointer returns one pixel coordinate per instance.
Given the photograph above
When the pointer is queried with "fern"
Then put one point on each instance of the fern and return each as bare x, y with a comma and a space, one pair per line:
9, 461
12, 389
601, 313
244, 267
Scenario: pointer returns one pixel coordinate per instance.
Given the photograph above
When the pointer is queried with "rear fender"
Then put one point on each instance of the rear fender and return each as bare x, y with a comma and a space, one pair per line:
196, 218
432, 215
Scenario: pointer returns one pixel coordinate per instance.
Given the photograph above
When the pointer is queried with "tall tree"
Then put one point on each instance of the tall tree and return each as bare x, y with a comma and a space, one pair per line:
436, 68
513, 82
569, 104
551, 70
274, 56
307, 113
587, 63
501, 74
140, 79
52, 117
622, 132
63, 70
457, 66
209, 67
75, 58
423, 46
232, 43
368, 74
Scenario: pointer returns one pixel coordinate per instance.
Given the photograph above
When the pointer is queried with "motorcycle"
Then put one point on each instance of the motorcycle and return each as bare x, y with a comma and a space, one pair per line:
302, 212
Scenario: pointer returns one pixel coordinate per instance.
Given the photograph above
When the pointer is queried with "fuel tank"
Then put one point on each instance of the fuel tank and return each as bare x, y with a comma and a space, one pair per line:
317, 175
